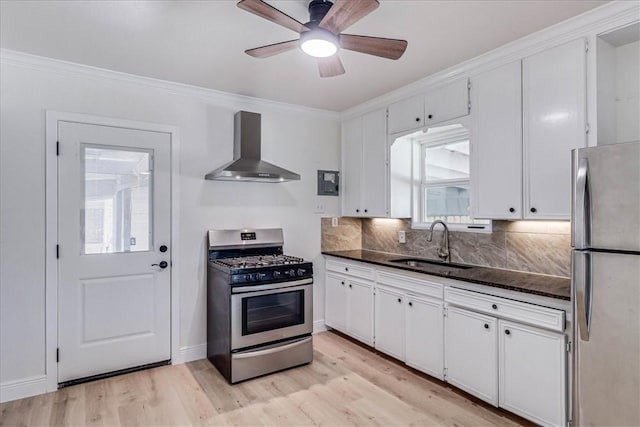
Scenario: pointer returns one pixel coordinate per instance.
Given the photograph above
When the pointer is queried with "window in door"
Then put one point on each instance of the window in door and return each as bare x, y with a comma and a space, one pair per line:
116, 207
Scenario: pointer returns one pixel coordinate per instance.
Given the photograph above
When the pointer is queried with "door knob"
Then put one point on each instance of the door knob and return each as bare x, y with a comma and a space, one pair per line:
161, 264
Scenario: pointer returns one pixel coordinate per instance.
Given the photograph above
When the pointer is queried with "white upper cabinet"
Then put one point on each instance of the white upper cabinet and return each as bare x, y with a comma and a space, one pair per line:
554, 105
351, 166
364, 166
447, 102
496, 152
406, 115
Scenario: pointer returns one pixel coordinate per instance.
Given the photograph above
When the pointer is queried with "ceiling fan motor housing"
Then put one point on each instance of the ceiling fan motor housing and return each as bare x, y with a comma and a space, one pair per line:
317, 10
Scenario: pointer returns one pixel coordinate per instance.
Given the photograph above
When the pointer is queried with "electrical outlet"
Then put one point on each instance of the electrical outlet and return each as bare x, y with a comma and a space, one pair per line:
334, 221
402, 236
319, 207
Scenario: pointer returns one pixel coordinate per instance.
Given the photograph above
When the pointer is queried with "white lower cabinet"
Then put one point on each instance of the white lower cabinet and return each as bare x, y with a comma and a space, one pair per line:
533, 387
471, 353
349, 306
424, 339
509, 353
389, 322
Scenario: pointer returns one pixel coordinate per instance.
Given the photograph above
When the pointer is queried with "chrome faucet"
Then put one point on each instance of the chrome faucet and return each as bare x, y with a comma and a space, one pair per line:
442, 253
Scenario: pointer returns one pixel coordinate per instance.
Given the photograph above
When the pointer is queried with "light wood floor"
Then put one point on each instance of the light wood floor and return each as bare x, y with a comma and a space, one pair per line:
347, 384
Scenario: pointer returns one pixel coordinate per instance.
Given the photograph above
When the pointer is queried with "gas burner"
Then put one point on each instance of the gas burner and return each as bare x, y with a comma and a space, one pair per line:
259, 261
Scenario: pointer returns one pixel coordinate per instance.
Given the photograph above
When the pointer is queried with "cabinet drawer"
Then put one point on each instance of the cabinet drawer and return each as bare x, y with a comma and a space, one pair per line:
544, 317
352, 269
411, 284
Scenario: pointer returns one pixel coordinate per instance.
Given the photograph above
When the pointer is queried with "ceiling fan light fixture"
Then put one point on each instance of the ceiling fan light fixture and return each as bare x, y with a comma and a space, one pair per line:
319, 43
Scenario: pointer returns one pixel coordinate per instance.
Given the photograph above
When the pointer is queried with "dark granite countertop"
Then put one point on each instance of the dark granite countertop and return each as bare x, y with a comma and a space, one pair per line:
538, 284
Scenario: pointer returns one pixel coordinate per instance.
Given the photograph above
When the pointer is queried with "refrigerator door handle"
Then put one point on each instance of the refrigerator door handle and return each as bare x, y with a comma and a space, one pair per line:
583, 292
581, 219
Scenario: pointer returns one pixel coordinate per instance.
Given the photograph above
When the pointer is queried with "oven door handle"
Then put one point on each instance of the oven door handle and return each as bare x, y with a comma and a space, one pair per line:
270, 286
275, 349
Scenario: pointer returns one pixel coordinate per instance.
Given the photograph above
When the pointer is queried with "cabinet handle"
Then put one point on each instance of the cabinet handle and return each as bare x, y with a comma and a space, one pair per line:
410, 304
533, 210
430, 116
346, 269
495, 307
342, 283
512, 210
399, 299
507, 332
365, 211
357, 210
350, 285
486, 326
417, 119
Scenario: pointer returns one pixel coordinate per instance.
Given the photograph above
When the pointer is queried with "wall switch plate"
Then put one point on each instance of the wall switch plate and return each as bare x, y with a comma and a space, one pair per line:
402, 236
334, 221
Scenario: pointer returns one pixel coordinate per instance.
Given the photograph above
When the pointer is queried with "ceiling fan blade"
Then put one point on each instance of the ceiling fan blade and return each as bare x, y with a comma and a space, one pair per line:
344, 13
272, 49
270, 13
330, 66
378, 46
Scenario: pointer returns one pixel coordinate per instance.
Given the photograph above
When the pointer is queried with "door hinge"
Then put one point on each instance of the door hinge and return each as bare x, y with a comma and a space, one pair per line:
57, 251
445, 372
568, 347
570, 423
57, 355
57, 148
468, 84
586, 128
444, 312
586, 46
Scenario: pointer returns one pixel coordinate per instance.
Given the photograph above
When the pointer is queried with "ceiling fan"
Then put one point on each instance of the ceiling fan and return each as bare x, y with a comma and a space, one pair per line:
322, 36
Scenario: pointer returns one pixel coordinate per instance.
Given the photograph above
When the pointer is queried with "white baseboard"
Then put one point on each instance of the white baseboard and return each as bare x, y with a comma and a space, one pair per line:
12, 390
191, 353
319, 326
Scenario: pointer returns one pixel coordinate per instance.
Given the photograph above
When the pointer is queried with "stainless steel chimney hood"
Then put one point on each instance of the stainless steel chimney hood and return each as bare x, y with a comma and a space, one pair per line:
246, 164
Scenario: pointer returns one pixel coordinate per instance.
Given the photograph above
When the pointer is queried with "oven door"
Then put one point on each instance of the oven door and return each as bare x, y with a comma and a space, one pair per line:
261, 314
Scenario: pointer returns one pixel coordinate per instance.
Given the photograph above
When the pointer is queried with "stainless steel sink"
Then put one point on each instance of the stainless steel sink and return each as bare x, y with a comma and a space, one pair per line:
430, 265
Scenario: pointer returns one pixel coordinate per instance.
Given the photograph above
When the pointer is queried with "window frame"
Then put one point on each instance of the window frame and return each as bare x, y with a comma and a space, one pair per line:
420, 183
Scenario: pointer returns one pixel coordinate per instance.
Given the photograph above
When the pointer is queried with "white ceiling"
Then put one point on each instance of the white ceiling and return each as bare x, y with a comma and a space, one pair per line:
202, 43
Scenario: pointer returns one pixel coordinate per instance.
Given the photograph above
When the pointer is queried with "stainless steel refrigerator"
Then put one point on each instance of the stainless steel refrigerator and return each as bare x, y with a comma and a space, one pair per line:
606, 285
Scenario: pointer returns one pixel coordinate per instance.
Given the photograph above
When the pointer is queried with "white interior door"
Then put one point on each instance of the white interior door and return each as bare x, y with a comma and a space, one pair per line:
114, 249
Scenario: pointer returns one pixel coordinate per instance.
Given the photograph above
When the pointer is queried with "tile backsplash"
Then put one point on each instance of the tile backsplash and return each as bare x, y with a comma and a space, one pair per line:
532, 246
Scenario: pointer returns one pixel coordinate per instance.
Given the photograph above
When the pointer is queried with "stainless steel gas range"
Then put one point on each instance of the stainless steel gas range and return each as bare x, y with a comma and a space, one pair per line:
259, 304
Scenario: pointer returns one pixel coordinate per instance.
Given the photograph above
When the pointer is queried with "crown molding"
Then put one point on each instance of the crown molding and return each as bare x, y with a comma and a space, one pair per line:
211, 96
596, 21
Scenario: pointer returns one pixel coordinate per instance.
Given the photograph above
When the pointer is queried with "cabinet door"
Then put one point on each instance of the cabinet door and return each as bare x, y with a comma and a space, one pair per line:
424, 335
533, 373
554, 123
447, 102
471, 353
351, 166
374, 164
496, 145
335, 306
360, 311
406, 114
389, 322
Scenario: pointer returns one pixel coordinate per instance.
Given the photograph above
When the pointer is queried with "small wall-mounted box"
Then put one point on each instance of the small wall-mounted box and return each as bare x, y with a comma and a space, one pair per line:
328, 183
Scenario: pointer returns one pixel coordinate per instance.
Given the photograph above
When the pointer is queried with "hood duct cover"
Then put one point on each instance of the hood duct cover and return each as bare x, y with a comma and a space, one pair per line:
246, 164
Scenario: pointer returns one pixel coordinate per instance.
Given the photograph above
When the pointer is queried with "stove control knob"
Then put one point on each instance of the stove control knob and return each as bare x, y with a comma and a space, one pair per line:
291, 273
248, 277
276, 274
260, 276
301, 271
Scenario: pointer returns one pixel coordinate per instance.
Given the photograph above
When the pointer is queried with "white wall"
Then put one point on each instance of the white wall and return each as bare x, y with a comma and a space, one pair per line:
299, 139
628, 92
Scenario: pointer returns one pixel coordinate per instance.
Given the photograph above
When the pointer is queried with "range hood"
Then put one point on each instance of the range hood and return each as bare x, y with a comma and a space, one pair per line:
246, 164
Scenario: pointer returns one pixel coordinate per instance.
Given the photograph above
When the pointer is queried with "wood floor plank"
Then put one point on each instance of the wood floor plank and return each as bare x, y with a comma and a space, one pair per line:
347, 384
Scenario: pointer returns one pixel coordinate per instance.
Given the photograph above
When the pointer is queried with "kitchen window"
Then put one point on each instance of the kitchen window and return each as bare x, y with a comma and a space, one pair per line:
444, 181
